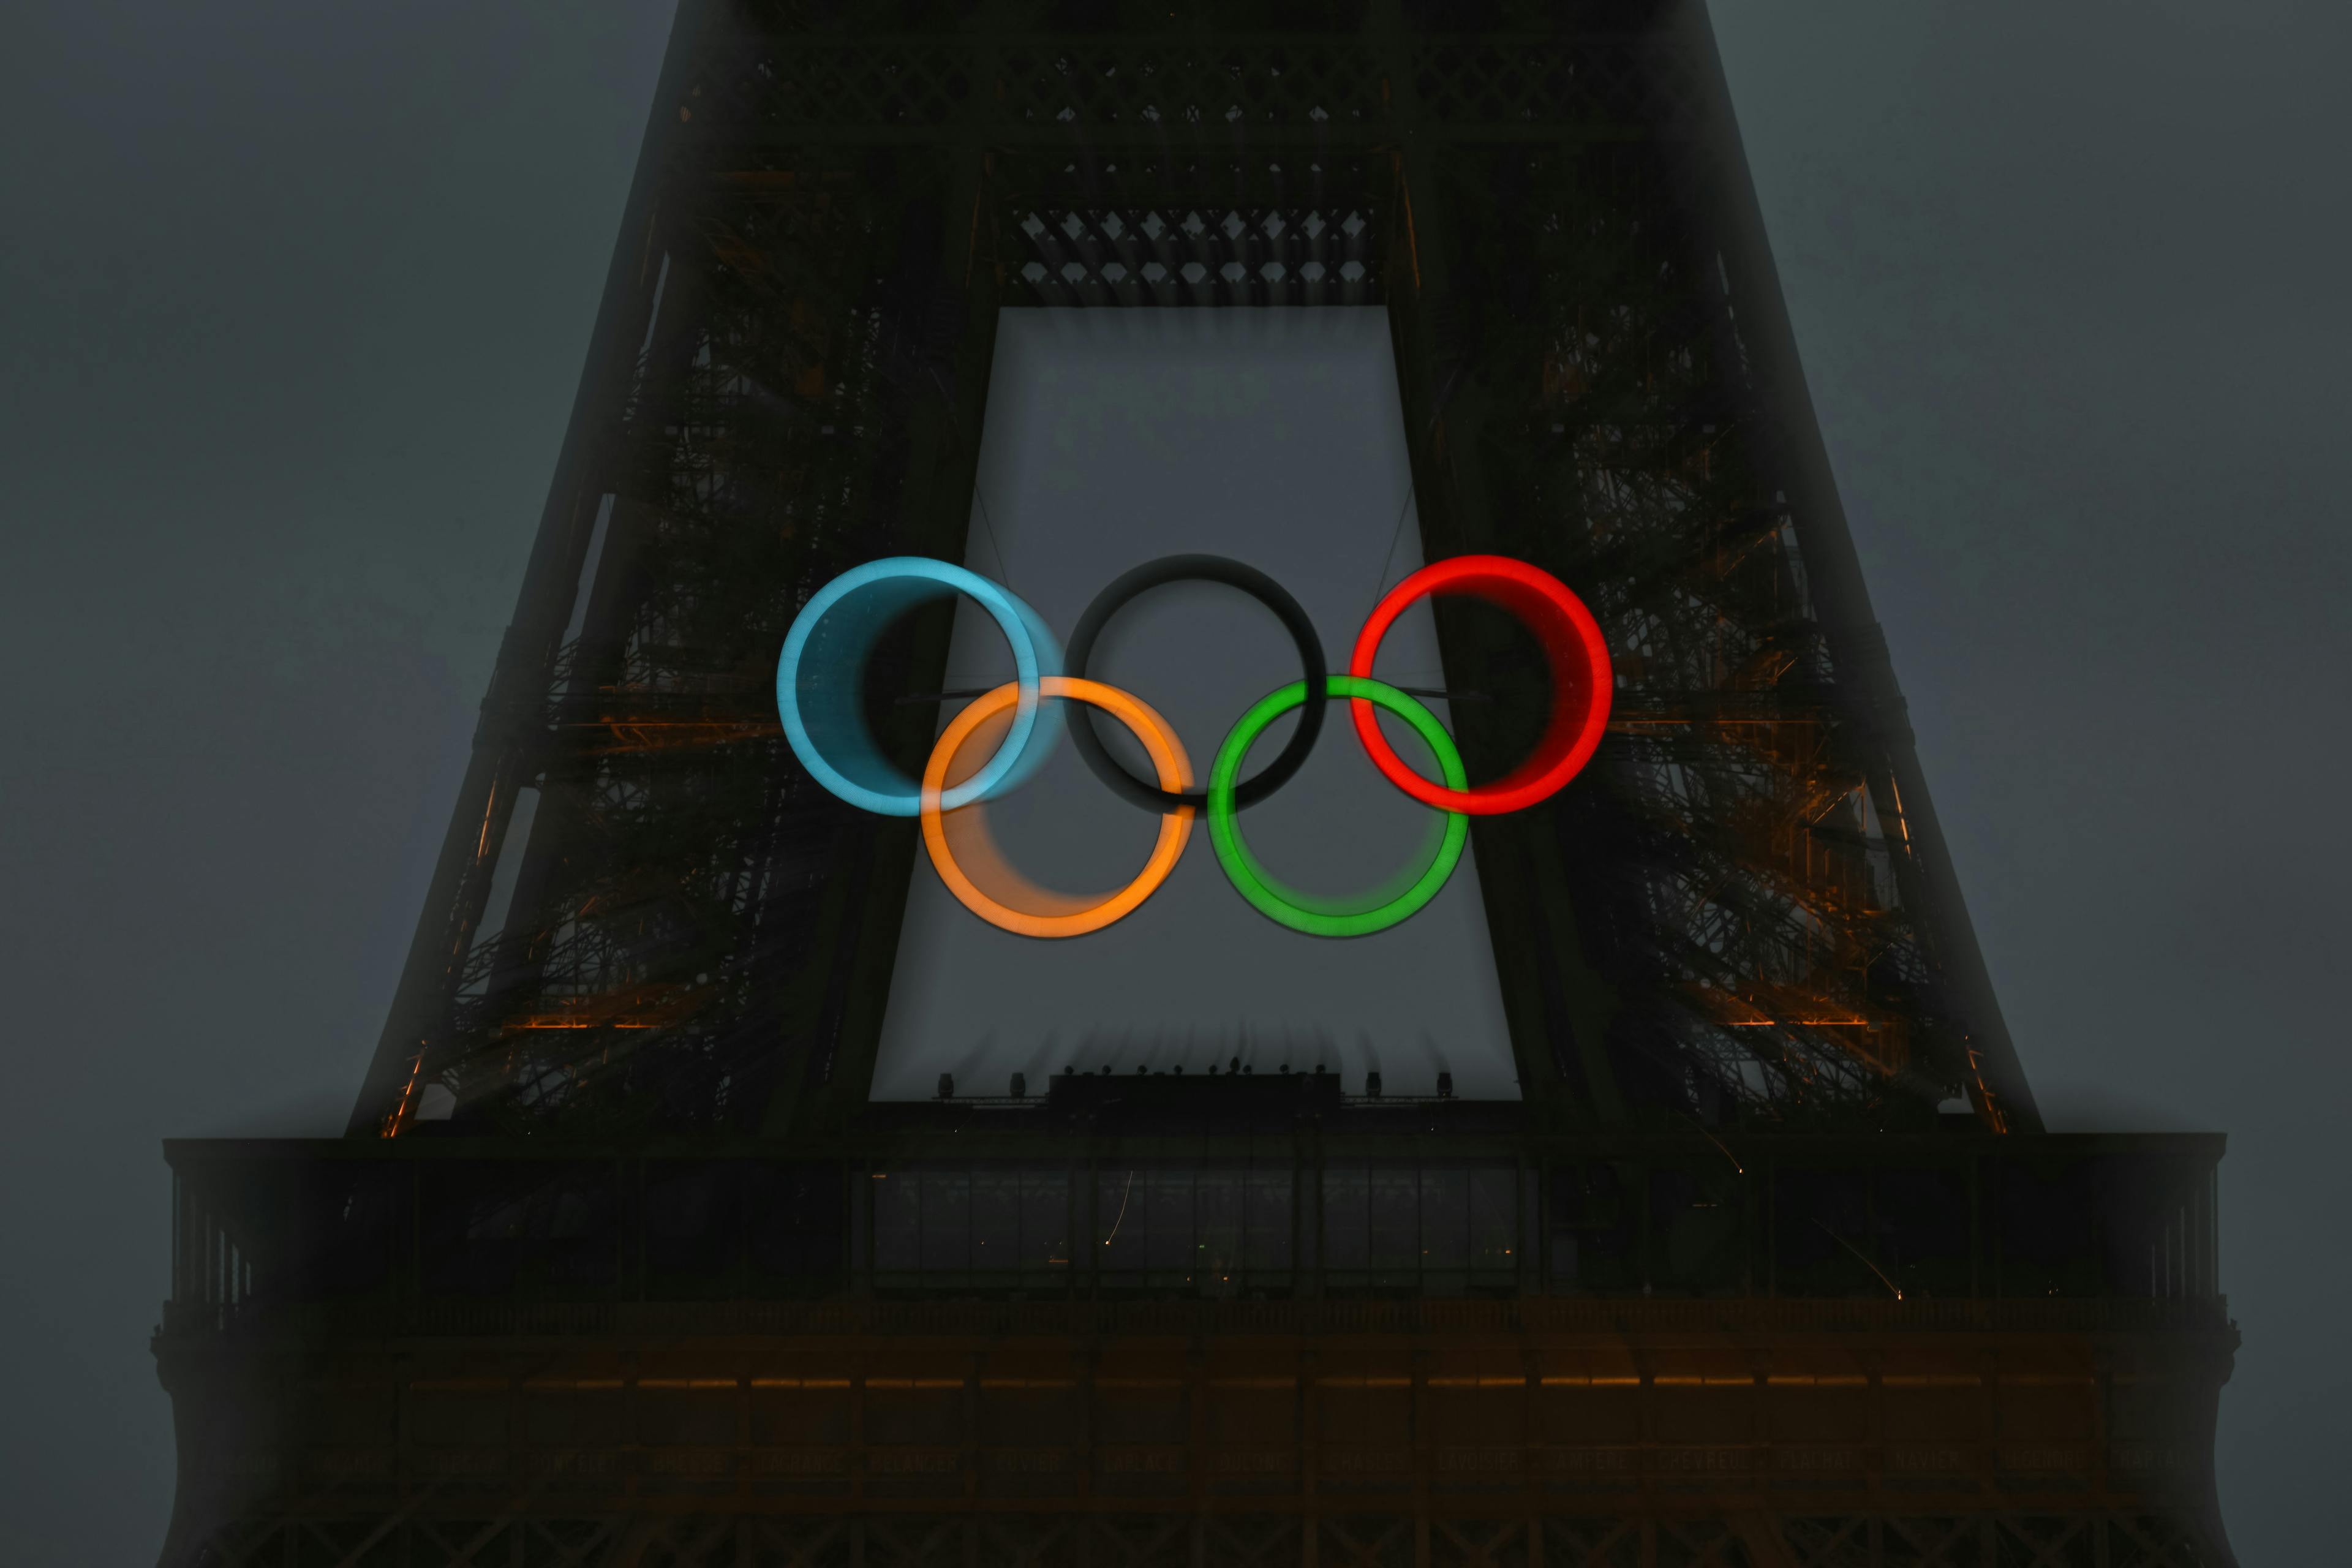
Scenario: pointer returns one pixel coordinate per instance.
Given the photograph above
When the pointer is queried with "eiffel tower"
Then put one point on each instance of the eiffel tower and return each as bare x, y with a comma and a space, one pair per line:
1771, 1264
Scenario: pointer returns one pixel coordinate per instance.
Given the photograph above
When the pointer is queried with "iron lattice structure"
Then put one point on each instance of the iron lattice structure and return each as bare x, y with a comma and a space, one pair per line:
617, 1266
1749, 906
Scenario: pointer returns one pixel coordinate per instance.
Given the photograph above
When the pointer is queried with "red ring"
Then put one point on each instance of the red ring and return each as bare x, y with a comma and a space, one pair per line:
1581, 683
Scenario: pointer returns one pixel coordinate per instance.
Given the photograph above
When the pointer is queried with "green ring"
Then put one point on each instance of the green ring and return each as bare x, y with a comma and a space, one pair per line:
1322, 917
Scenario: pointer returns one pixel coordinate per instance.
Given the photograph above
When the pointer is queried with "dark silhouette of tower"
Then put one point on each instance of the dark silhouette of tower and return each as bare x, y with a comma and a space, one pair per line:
1773, 1264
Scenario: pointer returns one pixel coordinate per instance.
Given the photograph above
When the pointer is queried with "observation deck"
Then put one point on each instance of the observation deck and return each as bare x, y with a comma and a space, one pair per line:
1087, 1311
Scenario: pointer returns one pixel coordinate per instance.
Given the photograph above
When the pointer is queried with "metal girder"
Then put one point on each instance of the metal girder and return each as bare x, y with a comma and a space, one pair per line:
1747, 912
1654, 1436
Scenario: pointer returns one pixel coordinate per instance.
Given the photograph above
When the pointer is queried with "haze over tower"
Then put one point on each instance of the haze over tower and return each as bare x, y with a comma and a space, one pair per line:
1703, 1216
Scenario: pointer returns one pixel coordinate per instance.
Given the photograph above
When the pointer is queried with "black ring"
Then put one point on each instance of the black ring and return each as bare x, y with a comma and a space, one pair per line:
1199, 569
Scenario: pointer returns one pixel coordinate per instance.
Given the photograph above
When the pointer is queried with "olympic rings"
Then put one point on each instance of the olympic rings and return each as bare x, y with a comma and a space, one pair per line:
1199, 569
824, 657
1323, 916
1581, 680
869, 597
1166, 757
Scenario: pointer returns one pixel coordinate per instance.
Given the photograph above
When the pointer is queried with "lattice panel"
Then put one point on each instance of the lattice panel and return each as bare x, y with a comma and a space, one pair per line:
1477, 1543
1018, 1541
1181, 84
529, 1539
1546, 81
1192, 229
916, 1541
1697, 1543
1366, 1541
1592, 1542
1846, 1542
2142, 1541
1207, 254
1193, 87
678, 860
788, 85
1745, 882
1737, 874
1199, 88
1245, 1541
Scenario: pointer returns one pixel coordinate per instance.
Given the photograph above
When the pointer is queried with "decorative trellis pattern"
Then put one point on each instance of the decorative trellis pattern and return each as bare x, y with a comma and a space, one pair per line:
1194, 90
1192, 229
723, 1539
1211, 255
1185, 88
802, 82
1737, 866
1597, 82
1237, 85
675, 863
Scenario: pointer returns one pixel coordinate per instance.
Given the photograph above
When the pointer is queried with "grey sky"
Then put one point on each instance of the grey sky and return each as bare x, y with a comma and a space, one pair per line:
292, 302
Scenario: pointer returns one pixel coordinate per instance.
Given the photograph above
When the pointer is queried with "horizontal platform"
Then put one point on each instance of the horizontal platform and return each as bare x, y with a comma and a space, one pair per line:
1645, 1420
935, 1204
1530, 1318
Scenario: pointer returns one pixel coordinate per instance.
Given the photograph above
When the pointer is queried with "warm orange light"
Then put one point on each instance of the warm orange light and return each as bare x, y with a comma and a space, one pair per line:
1048, 914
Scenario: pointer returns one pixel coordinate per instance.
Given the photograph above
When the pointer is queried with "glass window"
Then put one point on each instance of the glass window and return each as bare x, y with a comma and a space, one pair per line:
1445, 1220
1119, 1223
897, 1220
1494, 1220
1269, 1222
947, 1220
996, 1217
1170, 1246
1045, 1218
1218, 1201
1346, 1229
1393, 1207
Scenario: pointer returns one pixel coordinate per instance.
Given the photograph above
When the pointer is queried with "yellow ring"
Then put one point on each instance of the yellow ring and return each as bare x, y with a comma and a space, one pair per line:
1166, 752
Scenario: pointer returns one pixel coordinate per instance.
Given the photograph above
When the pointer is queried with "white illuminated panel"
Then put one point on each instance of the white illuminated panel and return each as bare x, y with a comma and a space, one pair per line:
1275, 436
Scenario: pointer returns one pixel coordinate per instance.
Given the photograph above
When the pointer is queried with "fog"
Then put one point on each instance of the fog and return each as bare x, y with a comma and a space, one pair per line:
292, 304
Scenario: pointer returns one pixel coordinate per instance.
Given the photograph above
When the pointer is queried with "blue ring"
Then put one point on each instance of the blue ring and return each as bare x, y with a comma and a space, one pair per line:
882, 589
